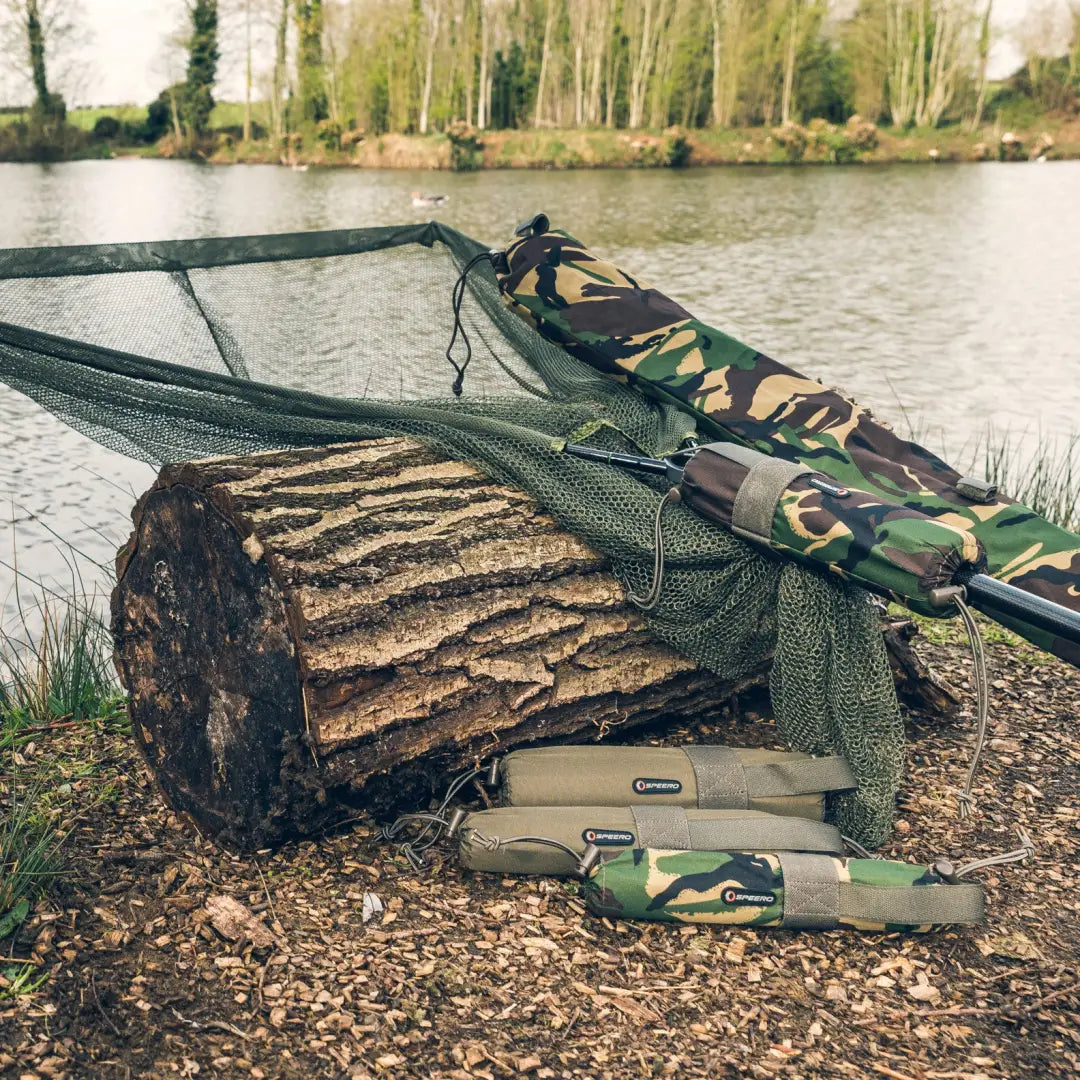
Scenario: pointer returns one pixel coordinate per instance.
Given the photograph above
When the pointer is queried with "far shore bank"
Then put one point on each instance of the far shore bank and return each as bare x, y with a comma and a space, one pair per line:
816, 143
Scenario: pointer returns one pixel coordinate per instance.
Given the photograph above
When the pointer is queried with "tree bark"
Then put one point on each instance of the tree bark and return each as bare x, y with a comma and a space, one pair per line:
302, 631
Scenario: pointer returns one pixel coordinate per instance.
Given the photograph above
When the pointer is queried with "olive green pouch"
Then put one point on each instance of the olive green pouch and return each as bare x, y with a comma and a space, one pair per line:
698, 776
495, 840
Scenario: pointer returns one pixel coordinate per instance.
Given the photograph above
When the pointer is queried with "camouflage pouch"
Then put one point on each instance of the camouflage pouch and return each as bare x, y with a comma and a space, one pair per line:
703, 777
493, 840
796, 891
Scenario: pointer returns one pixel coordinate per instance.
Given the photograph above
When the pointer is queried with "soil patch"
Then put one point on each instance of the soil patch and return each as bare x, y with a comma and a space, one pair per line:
153, 971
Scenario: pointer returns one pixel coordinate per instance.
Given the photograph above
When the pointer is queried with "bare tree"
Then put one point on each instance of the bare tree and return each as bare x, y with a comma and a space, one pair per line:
247, 70
581, 14
922, 81
729, 19
599, 38
545, 58
432, 16
1074, 45
43, 42
984, 57
482, 99
277, 111
790, 55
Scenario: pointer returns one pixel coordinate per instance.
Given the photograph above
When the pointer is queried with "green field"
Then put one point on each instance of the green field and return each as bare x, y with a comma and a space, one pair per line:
225, 114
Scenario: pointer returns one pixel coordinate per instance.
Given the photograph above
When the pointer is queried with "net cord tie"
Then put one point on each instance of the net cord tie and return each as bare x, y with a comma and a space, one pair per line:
433, 825
945, 869
457, 297
493, 843
982, 694
652, 595
857, 849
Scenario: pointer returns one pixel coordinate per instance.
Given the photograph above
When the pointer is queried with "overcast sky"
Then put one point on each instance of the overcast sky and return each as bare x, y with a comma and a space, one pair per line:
126, 55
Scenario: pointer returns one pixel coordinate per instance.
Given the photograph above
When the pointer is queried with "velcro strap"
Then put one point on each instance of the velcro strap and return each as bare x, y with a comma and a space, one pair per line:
767, 833
662, 827
766, 480
909, 905
720, 777
799, 777
725, 783
811, 891
976, 489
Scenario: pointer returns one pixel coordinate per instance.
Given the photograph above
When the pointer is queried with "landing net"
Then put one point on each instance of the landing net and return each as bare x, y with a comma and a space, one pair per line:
172, 351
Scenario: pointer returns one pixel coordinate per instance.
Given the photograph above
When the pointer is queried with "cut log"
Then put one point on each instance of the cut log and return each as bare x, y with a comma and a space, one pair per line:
295, 628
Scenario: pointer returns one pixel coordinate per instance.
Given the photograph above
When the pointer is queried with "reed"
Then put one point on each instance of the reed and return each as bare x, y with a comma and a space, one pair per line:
56, 667
1047, 479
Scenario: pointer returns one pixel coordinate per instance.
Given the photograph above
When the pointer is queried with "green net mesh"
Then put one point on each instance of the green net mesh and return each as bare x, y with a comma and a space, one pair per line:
173, 351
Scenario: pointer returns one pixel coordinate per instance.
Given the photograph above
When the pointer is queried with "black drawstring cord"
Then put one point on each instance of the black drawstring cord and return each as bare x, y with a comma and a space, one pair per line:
432, 826
457, 295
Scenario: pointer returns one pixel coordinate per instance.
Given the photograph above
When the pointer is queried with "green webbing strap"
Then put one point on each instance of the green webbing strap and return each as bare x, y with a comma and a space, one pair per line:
913, 904
725, 783
811, 891
669, 827
816, 899
800, 777
662, 826
758, 495
720, 777
763, 834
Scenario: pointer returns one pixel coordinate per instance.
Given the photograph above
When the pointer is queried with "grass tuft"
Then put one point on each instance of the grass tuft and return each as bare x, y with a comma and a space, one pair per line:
55, 671
29, 846
1046, 480
61, 673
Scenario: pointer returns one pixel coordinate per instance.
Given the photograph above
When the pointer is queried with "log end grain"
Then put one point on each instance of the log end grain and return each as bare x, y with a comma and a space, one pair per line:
203, 648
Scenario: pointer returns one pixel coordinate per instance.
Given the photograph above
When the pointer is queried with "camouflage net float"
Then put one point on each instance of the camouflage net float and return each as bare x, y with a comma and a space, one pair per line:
791, 890
652, 854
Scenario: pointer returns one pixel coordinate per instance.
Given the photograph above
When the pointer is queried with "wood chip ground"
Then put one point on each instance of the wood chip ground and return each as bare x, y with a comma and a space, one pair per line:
167, 957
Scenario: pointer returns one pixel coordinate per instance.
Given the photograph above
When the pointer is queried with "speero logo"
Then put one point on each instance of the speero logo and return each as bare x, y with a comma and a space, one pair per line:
737, 897
650, 785
608, 837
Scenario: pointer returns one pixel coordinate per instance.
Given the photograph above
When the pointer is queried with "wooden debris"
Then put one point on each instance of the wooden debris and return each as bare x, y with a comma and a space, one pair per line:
234, 921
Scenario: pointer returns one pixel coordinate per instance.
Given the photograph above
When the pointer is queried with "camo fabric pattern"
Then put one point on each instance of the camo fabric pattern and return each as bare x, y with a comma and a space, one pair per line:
890, 549
622, 326
729, 888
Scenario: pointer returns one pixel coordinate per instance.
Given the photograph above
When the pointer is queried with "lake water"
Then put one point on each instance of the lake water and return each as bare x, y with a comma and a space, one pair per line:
945, 297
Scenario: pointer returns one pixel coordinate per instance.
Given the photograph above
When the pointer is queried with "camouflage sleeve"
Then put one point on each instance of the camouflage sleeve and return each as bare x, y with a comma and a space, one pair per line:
885, 547
619, 324
748, 889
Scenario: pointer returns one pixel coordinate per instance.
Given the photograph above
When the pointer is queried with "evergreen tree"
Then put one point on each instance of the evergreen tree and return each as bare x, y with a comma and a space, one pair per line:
47, 106
198, 96
311, 74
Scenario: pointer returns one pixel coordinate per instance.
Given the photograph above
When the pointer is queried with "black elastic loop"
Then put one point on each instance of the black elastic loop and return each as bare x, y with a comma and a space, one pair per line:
457, 295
